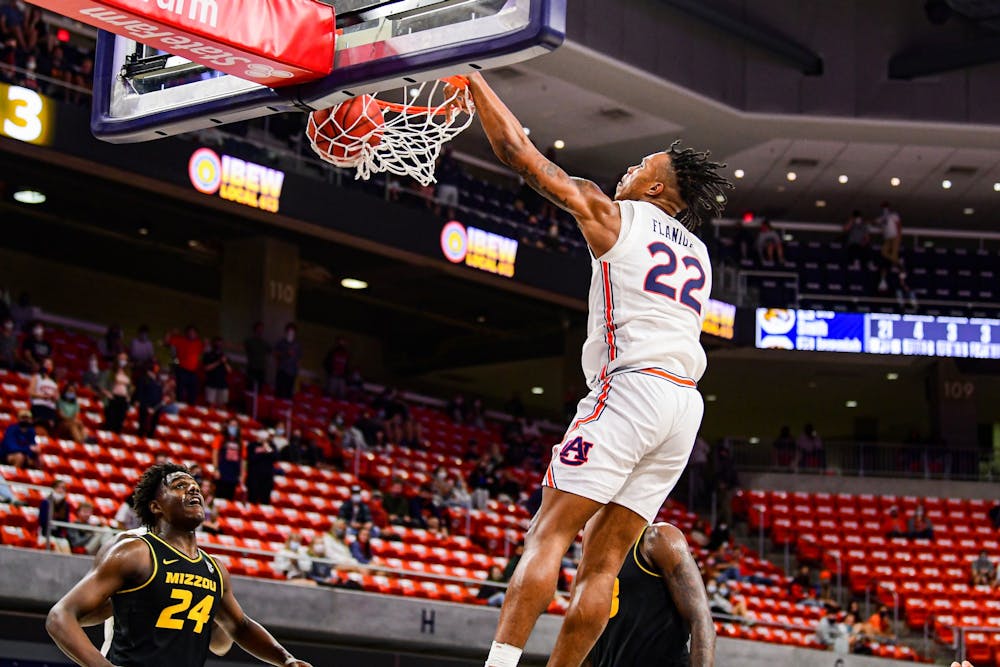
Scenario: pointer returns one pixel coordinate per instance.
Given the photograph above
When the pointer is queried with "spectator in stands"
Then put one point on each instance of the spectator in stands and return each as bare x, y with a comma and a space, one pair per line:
727, 481
141, 350
355, 385
920, 527
229, 460
802, 584
126, 518
335, 546
811, 451
879, 625
111, 344
293, 560
361, 547
43, 392
354, 511
261, 457
769, 245
257, 351
352, 436
459, 496
336, 364
116, 391
994, 514
20, 448
895, 524
217, 370
82, 540
448, 176
856, 238
892, 234
188, 349
720, 536
211, 523
697, 467
149, 397
288, 355
721, 601
831, 633
396, 505
457, 409
91, 378
55, 507
300, 450
784, 448
68, 412
504, 487
493, 595
479, 481
436, 528
8, 345
984, 571
34, 349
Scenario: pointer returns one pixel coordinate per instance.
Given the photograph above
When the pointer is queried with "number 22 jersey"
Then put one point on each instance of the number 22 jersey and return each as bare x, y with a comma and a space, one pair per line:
167, 621
648, 296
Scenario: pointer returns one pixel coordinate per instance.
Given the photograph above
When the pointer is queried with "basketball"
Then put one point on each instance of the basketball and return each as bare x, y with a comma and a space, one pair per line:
338, 133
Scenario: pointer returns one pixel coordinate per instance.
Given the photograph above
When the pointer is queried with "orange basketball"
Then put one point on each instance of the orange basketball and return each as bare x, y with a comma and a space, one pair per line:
338, 133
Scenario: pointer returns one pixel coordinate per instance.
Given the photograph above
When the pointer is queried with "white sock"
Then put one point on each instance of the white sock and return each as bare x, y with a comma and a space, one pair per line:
503, 655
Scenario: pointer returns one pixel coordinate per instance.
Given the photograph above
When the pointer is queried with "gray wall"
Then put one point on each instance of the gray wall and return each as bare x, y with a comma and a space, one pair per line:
351, 618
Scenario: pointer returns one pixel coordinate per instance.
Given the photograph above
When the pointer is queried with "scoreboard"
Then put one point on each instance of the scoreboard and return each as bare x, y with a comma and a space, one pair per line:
878, 333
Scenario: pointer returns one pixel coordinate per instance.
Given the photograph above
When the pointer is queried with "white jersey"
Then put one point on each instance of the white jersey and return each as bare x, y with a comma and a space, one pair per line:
647, 298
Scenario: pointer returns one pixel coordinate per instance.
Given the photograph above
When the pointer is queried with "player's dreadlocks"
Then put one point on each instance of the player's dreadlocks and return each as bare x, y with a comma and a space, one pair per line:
147, 488
699, 184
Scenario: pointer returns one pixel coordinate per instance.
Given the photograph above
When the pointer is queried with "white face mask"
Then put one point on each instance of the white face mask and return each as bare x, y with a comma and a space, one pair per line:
58, 496
293, 545
712, 588
38, 331
356, 498
290, 336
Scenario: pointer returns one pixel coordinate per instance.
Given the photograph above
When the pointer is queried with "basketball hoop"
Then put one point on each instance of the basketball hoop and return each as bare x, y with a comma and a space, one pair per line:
400, 132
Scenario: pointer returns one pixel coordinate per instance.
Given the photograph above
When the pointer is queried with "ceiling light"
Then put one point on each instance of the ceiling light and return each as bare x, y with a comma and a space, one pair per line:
996, 187
820, 203
559, 144
842, 179
946, 184
527, 131
894, 182
29, 197
353, 283
414, 92
739, 173
720, 198
538, 391
851, 404
481, 319
892, 376
143, 231
968, 210
754, 440
711, 398
788, 237
193, 244
791, 175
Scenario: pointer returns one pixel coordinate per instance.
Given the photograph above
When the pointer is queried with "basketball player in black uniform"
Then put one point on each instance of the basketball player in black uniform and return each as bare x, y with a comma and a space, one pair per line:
659, 603
166, 592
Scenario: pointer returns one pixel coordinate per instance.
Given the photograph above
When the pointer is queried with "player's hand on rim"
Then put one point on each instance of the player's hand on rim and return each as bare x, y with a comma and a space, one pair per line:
459, 99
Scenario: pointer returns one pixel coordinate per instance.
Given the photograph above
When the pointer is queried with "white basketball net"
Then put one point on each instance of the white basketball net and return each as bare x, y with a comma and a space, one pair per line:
405, 141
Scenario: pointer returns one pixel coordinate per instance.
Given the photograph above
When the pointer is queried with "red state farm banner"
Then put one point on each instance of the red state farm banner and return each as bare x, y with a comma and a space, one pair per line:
273, 42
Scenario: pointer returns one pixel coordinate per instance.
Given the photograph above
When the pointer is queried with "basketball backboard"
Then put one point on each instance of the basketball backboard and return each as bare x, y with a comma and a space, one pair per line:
142, 94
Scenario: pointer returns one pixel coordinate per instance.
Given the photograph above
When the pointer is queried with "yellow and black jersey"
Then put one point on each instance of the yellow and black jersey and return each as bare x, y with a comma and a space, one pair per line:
645, 627
167, 621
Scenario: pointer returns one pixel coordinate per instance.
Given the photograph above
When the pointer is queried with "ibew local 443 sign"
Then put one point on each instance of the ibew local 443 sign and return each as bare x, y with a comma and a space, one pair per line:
236, 180
479, 249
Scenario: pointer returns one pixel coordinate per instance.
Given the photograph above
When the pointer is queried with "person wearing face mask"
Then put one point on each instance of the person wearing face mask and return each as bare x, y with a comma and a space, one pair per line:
54, 508
355, 511
287, 354
35, 349
261, 457
293, 561
116, 390
44, 392
68, 409
217, 370
149, 396
187, 362
19, 447
8, 345
141, 350
91, 378
300, 450
229, 460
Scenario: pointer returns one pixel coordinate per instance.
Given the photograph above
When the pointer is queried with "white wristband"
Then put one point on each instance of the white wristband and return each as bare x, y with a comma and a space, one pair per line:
503, 655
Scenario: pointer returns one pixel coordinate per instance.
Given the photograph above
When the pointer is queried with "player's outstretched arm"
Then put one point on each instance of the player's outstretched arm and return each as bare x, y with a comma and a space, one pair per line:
598, 216
668, 550
125, 563
248, 633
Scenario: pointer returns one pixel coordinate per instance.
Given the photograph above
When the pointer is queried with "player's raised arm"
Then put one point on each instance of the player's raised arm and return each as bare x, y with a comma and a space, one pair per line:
127, 563
248, 633
598, 216
668, 550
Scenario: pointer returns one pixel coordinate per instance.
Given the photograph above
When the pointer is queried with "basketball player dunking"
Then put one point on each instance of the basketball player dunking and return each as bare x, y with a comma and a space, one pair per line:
659, 605
166, 593
633, 433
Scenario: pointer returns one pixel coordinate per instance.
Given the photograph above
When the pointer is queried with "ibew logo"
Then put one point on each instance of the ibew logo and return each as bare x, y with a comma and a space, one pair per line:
575, 452
205, 12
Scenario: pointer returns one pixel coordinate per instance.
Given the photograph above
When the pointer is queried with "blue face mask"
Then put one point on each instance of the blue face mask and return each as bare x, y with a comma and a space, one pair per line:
231, 430
70, 396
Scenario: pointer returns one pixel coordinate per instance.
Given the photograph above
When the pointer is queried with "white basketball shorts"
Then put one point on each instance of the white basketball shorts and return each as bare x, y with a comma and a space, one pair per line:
630, 440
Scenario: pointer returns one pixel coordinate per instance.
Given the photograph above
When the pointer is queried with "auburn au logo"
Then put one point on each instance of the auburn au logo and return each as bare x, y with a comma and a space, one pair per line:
575, 452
